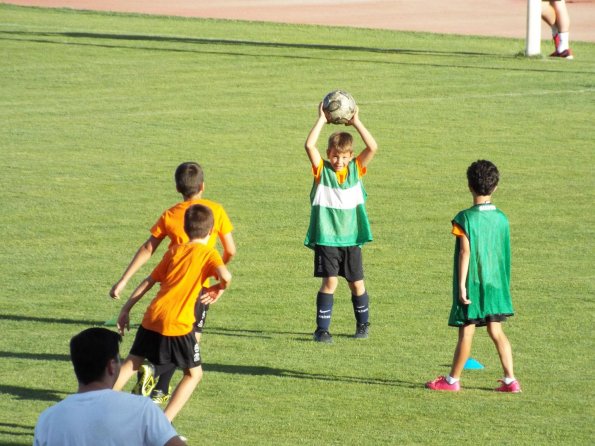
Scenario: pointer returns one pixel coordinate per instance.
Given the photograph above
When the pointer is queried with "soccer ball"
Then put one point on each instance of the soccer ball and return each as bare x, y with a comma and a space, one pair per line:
338, 107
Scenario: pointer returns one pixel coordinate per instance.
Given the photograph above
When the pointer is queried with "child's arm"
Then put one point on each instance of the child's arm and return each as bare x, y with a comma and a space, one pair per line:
464, 254
229, 247
214, 292
371, 146
124, 316
312, 139
141, 257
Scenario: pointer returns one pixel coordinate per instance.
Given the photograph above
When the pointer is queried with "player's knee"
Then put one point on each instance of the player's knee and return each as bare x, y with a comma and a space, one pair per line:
357, 288
195, 373
329, 285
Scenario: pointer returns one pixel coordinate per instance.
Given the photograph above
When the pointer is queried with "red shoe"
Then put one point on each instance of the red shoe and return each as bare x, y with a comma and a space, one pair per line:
441, 383
566, 54
513, 387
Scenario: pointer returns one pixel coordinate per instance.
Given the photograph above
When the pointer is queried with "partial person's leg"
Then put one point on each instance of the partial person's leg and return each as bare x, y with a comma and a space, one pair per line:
509, 382
562, 16
183, 391
165, 374
563, 24
361, 308
451, 383
463, 350
129, 368
503, 346
324, 302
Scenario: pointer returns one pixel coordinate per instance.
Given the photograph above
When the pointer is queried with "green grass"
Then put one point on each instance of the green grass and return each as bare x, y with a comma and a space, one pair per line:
97, 110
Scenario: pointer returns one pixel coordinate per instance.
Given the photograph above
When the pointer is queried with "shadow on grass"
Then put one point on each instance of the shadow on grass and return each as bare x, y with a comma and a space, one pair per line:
28, 393
284, 373
245, 43
17, 430
35, 356
241, 332
45, 37
49, 320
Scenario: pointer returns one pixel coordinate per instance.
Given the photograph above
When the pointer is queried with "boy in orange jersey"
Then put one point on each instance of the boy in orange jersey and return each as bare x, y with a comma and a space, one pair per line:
166, 334
189, 180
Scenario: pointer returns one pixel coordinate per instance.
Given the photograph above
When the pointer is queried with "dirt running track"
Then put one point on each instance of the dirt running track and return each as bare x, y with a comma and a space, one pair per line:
504, 18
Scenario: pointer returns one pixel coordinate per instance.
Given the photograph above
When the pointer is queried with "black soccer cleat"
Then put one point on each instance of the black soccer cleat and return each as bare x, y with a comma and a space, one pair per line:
361, 331
323, 336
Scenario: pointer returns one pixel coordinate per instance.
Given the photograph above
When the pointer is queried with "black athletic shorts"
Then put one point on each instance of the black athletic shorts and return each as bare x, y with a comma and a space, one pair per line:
183, 351
200, 313
332, 261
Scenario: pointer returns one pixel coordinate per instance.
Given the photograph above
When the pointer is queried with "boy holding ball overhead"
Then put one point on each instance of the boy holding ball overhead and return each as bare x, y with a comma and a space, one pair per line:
339, 223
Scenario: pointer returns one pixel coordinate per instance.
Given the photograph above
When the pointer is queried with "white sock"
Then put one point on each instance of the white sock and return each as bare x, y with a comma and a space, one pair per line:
563, 42
508, 381
451, 380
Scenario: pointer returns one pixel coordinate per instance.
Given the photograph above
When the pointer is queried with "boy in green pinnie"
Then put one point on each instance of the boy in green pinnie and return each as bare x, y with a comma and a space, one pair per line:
339, 223
481, 278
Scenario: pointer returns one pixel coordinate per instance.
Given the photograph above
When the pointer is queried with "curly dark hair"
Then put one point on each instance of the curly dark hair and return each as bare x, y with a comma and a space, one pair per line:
483, 177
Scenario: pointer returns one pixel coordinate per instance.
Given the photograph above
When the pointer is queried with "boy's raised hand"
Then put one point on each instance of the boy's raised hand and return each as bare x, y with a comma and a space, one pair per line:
355, 117
322, 114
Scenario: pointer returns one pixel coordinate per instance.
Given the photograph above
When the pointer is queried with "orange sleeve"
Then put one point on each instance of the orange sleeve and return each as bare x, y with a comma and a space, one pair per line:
317, 171
458, 231
361, 171
158, 230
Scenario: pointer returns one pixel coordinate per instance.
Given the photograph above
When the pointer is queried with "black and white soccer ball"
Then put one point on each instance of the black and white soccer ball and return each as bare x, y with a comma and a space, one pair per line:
338, 107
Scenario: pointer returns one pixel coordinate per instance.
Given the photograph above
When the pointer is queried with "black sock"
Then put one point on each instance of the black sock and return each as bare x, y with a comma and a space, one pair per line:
324, 310
165, 374
361, 307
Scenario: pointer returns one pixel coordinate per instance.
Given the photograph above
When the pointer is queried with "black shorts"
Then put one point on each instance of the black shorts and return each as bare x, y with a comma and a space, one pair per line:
183, 351
345, 261
200, 313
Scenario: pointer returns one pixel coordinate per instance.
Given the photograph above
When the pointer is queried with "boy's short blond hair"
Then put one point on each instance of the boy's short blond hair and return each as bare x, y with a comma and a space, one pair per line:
341, 142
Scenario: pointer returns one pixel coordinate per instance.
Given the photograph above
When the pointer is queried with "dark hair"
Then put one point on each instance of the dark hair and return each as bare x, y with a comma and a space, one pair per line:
342, 142
483, 177
90, 351
189, 178
198, 221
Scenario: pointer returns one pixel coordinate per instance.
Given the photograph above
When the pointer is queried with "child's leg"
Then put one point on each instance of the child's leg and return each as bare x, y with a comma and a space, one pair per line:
360, 300
183, 391
165, 374
563, 26
128, 368
548, 14
324, 302
562, 16
463, 350
503, 346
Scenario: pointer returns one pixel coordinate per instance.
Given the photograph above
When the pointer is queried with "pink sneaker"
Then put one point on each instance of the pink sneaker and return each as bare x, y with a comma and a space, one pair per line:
513, 387
441, 383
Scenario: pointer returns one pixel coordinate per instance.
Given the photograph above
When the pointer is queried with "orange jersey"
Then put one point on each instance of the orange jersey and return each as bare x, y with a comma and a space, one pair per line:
171, 223
341, 174
181, 274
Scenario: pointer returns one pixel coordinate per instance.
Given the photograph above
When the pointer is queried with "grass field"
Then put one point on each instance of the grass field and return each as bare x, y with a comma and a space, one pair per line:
97, 110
